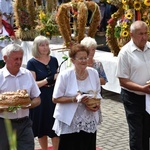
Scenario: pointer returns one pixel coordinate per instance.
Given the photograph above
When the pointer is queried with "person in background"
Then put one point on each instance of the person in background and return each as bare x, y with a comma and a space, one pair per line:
6, 6
75, 123
12, 78
106, 10
91, 44
133, 72
44, 69
6, 35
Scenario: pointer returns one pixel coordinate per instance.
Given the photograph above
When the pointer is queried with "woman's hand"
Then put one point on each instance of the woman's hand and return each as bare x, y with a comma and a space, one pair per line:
84, 99
92, 107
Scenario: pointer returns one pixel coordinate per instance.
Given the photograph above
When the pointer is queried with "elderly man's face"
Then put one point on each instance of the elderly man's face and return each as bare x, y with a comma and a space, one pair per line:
140, 37
14, 61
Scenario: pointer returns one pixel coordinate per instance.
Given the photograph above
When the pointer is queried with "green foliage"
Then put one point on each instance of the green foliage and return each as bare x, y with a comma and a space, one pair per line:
47, 25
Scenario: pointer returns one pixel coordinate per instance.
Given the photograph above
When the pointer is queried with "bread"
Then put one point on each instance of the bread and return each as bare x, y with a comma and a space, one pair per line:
18, 98
93, 103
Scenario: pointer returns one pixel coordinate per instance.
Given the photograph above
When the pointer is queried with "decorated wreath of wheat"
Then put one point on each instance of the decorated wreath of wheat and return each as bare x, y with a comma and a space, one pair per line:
141, 11
63, 20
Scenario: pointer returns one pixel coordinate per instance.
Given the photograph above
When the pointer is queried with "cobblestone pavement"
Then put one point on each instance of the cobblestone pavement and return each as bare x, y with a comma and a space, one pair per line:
113, 132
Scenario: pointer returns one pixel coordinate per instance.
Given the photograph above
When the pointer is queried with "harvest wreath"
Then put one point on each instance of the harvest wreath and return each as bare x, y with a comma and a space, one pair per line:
117, 33
24, 12
78, 10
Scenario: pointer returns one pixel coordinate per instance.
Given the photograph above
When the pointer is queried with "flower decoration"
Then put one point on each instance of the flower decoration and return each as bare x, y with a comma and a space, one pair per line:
118, 28
129, 14
124, 1
124, 25
147, 2
77, 10
5, 37
24, 20
147, 22
46, 24
24, 13
125, 33
137, 5
117, 31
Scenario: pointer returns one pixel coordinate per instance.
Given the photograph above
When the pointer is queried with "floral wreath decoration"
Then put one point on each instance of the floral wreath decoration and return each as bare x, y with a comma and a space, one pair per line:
78, 10
24, 12
46, 24
117, 33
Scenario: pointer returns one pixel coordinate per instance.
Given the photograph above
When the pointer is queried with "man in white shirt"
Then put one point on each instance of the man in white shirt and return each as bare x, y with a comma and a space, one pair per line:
133, 72
12, 78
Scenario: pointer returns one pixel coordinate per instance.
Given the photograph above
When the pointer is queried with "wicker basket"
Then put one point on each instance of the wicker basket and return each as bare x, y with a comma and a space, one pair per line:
93, 103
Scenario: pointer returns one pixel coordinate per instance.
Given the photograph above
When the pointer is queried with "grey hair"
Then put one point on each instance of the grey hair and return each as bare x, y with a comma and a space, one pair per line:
37, 41
6, 51
137, 25
89, 42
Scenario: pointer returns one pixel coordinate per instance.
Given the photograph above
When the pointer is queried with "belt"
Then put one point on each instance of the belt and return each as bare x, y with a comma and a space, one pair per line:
19, 120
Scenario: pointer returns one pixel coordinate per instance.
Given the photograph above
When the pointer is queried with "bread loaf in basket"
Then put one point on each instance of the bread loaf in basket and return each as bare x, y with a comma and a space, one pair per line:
93, 102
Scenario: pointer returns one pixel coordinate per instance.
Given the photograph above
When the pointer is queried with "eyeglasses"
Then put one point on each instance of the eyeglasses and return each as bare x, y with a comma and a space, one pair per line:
82, 59
48, 69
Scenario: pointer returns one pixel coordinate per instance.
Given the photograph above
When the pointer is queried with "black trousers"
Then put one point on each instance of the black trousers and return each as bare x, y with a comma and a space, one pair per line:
25, 138
138, 120
78, 141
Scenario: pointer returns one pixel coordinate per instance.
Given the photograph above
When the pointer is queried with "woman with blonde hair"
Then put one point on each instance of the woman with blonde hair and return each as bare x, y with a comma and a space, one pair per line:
44, 69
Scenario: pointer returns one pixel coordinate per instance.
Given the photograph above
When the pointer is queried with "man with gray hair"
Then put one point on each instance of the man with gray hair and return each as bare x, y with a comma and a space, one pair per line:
13, 77
133, 72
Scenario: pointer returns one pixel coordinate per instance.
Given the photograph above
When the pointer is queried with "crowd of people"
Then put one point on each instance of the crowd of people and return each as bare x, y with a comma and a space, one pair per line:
42, 81
53, 98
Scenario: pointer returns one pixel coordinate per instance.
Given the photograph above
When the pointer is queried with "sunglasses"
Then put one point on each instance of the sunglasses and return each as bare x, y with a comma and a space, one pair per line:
48, 69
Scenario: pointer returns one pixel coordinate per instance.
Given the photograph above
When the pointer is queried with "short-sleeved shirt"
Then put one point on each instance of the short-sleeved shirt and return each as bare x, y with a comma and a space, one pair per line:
23, 80
134, 64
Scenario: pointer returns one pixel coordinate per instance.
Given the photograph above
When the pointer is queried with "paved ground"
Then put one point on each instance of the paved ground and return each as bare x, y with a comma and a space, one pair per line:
113, 132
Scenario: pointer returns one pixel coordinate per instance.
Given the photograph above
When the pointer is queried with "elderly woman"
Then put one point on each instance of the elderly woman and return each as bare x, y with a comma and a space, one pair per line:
75, 122
91, 44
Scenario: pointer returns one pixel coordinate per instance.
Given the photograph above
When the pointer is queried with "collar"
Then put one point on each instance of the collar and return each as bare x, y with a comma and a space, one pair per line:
7, 73
135, 48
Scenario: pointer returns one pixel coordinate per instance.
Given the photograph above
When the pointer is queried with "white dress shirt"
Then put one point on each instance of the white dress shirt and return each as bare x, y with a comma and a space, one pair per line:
134, 64
23, 80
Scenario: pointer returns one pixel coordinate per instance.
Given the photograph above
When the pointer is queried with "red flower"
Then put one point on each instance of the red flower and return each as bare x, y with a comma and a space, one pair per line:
111, 20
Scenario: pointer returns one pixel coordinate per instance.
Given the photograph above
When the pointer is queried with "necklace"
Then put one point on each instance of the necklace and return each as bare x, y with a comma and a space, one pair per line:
81, 77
